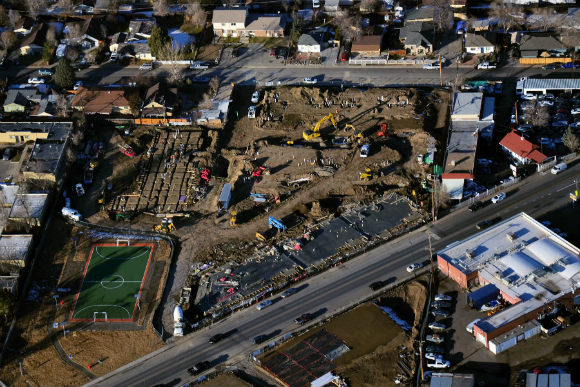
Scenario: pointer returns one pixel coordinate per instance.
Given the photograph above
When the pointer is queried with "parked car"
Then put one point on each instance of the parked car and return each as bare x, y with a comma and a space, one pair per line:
486, 223
288, 292
550, 66
433, 356
498, 88
376, 285
146, 66
77, 85
200, 79
264, 304
435, 338
442, 297
475, 206
437, 326
199, 66
304, 318
7, 155
431, 66
80, 190
36, 81
255, 96
438, 363
528, 97
441, 304
507, 180
489, 306
259, 339
440, 313
113, 57
434, 349
217, 338
252, 112
199, 367
45, 72
570, 65
272, 52
310, 81
486, 66
414, 266
498, 198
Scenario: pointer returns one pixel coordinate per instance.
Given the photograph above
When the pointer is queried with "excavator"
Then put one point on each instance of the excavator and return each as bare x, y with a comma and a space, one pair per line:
383, 129
366, 175
308, 135
165, 227
356, 135
233, 219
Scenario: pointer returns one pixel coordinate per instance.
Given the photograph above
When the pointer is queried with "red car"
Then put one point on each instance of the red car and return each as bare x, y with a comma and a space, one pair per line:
273, 52
127, 150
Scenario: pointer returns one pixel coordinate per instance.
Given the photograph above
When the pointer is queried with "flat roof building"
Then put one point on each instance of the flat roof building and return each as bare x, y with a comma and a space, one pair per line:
532, 267
545, 85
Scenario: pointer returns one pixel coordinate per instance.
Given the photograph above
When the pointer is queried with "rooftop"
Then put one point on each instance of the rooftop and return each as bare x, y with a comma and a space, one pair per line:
423, 13
229, 15
466, 106
461, 148
539, 84
57, 131
266, 23
519, 330
14, 247
540, 42
28, 205
476, 40
99, 101
519, 145
367, 43
524, 259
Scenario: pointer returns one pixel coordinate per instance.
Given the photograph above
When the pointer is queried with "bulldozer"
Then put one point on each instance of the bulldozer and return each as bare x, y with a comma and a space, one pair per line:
233, 219
308, 135
165, 227
366, 175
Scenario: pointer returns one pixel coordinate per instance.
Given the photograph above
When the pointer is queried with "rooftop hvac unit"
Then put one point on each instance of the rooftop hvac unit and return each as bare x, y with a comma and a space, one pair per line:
511, 236
470, 254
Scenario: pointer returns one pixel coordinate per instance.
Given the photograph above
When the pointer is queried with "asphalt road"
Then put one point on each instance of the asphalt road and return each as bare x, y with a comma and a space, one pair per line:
342, 286
112, 73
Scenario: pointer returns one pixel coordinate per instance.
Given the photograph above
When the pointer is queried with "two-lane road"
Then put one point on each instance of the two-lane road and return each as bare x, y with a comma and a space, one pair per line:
338, 287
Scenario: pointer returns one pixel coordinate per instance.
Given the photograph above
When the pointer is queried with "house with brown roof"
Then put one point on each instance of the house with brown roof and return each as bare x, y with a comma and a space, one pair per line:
368, 45
160, 101
104, 102
229, 22
521, 150
266, 26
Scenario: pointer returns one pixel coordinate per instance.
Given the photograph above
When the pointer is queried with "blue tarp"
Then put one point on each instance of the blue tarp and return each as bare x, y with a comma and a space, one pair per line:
482, 295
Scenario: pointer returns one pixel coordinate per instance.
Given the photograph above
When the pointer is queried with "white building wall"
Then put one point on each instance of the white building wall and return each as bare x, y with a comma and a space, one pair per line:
307, 48
479, 50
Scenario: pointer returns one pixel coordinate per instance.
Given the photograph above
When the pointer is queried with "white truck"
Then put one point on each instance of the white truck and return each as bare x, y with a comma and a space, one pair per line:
177, 321
71, 214
438, 363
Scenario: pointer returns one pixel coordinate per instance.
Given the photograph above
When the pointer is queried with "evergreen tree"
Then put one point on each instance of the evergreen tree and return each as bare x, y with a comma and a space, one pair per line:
159, 38
64, 75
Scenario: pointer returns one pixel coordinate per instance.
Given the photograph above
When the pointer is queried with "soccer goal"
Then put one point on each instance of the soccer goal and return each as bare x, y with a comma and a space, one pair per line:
97, 314
122, 242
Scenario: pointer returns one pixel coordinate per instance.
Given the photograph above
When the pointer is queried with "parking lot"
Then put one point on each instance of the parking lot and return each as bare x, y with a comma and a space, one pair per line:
251, 55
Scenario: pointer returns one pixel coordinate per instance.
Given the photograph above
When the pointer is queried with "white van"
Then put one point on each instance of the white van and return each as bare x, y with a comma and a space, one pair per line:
558, 168
469, 327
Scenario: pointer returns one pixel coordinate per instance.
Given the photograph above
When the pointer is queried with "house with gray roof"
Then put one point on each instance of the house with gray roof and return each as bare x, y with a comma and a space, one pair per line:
140, 29
308, 43
422, 14
417, 38
229, 22
18, 100
544, 45
478, 44
266, 26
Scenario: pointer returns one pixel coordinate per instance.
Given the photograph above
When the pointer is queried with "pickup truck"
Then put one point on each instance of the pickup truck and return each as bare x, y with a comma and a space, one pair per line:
486, 66
438, 363
199, 66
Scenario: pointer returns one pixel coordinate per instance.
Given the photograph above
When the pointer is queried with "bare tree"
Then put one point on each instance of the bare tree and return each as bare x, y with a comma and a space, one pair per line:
350, 27
369, 6
161, 7
443, 16
8, 39
75, 32
34, 7
172, 54
206, 102
544, 19
14, 18
507, 14
62, 104
214, 84
195, 14
66, 5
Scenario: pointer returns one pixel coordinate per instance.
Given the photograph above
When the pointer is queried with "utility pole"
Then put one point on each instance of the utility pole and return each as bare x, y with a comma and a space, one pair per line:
440, 70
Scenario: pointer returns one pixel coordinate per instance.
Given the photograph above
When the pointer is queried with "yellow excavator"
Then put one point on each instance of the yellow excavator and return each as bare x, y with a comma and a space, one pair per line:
367, 175
233, 219
315, 132
165, 227
356, 135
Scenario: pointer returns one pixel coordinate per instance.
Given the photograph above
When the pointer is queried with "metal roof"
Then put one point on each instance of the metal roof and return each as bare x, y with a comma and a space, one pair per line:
536, 84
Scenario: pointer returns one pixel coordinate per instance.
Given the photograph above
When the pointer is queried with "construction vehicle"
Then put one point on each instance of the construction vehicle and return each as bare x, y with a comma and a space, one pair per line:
165, 227
260, 237
356, 135
225, 197
233, 219
308, 135
367, 175
259, 172
127, 150
273, 222
88, 175
383, 129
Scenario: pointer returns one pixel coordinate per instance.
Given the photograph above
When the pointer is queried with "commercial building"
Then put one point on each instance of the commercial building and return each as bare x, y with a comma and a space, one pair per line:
534, 270
546, 85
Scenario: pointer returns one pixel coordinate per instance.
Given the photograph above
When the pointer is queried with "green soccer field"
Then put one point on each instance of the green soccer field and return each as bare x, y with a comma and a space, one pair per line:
113, 276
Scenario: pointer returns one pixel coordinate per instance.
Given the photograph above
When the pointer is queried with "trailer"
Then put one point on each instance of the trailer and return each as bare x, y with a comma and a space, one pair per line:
225, 197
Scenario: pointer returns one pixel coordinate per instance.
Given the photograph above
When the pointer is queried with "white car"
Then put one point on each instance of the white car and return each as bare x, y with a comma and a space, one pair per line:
431, 66
35, 80
437, 326
438, 363
437, 339
310, 81
199, 66
146, 66
443, 297
77, 85
365, 150
498, 198
264, 304
485, 66
113, 56
414, 266
433, 356
528, 97
575, 111
252, 112
255, 97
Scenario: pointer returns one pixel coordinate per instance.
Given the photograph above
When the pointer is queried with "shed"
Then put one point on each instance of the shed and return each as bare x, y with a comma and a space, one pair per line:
482, 295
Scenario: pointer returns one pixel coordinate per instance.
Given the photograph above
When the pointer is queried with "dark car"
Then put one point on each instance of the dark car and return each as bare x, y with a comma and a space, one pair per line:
440, 313
441, 304
376, 285
486, 223
217, 338
7, 155
259, 339
281, 53
434, 349
551, 66
475, 206
304, 318
199, 367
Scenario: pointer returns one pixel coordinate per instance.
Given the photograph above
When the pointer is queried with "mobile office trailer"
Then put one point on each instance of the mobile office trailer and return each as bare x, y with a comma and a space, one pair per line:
225, 197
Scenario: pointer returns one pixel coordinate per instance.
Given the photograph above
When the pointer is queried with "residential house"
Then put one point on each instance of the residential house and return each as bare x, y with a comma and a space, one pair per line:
422, 14
306, 15
367, 46
139, 50
21, 132
478, 44
140, 29
229, 22
101, 101
9, 283
88, 33
45, 108
46, 162
15, 250
117, 40
541, 45
265, 26
521, 150
417, 38
18, 100
33, 43
309, 43
160, 102
28, 209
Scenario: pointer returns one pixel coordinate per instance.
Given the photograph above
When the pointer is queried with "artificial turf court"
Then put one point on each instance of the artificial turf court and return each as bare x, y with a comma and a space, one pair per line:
112, 278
